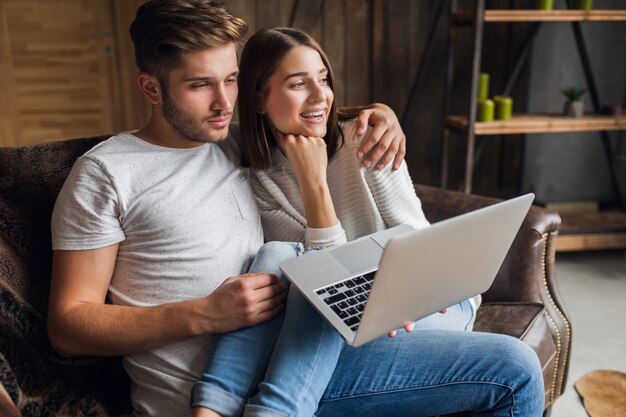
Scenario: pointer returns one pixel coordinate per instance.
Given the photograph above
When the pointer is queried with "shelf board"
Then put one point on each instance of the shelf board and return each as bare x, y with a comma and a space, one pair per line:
592, 231
540, 123
554, 15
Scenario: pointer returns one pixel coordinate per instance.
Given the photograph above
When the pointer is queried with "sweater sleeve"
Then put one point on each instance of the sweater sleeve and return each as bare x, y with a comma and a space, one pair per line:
392, 191
282, 219
395, 197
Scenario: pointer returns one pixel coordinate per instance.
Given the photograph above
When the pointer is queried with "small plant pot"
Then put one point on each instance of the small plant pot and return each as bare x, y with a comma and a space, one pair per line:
573, 108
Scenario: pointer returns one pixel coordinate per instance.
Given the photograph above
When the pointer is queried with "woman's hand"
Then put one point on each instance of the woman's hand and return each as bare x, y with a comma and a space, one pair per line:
308, 158
309, 161
409, 327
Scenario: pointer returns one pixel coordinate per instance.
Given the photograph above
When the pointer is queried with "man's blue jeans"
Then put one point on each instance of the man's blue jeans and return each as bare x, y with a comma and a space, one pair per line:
298, 365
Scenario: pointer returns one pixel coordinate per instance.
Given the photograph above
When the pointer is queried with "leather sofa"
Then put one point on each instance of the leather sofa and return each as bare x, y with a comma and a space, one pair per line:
524, 300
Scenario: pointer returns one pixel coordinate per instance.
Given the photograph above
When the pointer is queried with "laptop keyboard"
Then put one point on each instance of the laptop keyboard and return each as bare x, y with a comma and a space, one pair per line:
347, 298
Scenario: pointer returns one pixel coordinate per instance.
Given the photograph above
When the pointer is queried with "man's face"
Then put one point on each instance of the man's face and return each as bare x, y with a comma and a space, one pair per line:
201, 94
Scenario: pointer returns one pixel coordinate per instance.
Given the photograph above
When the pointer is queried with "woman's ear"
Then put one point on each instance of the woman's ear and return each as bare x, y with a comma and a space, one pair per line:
150, 87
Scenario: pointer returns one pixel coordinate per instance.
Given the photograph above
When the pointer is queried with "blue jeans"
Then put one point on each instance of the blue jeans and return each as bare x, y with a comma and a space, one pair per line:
298, 365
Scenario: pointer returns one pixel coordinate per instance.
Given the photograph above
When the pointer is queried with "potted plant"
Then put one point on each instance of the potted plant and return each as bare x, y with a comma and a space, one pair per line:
574, 104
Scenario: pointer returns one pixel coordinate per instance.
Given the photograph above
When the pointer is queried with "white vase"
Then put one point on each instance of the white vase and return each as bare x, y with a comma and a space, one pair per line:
573, 108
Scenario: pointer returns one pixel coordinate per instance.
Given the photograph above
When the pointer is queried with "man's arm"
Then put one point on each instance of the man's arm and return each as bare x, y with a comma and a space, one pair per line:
386, 141
80, 323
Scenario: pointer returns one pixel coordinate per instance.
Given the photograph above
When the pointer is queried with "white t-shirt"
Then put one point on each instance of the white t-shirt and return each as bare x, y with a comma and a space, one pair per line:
185, 220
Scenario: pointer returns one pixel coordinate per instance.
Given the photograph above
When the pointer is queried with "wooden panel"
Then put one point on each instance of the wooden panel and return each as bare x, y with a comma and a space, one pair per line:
334, 44
268, 14
426, 71
245, 9
9, 124
133, 107
538, 123
63, 64
377, 51
389, 54
307, 15
584, 227
592, 222
584, 242
376, 48
357, 44
554, 15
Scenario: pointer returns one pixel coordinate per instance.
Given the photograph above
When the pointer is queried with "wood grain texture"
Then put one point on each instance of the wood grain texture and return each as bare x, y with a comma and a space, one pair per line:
590, 241
68, 68
62, 59
9, 122
541, 123
134, 110
554, 15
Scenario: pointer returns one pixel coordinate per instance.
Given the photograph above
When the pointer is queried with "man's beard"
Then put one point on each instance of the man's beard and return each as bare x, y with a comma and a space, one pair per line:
184, 123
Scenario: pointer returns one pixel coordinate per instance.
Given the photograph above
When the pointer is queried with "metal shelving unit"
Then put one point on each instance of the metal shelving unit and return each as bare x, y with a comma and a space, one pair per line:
577, 232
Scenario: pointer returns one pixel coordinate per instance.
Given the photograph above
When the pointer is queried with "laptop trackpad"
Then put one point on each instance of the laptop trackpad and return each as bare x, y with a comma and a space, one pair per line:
358, 256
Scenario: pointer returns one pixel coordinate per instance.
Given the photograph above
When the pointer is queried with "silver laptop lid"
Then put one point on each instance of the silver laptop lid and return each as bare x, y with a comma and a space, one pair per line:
436, 267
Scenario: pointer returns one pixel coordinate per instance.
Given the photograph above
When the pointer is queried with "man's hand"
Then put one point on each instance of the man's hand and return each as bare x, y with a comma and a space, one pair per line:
243, 301
80, 322
385, 142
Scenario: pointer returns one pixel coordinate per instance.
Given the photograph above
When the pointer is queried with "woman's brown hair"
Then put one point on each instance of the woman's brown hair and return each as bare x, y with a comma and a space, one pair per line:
259, 59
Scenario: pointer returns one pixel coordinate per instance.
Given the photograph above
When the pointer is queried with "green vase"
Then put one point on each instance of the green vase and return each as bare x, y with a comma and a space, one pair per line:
483, 86
485, 111
504, 107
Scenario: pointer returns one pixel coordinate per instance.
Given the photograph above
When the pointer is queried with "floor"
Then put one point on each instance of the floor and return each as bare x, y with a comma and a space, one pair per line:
593, 286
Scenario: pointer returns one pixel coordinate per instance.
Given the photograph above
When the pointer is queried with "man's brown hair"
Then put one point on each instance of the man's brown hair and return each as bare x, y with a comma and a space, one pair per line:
163, 30
259, 60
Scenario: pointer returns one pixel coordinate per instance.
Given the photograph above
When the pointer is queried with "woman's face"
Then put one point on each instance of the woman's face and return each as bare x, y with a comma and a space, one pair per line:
299, 97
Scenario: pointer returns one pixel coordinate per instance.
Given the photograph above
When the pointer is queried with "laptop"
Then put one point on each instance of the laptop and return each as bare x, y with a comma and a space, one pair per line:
383, 281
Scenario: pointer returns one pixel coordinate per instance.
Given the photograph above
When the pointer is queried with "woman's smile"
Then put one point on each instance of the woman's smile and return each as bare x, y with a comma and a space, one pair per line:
299, 96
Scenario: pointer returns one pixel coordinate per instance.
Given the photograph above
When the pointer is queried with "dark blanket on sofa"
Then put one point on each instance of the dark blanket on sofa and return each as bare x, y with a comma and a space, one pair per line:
40, 382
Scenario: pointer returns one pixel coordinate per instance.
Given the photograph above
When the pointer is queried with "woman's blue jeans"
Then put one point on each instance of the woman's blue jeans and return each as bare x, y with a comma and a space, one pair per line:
298, 365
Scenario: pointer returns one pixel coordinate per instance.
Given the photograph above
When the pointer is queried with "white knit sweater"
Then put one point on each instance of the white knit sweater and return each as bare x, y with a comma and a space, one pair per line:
365, 200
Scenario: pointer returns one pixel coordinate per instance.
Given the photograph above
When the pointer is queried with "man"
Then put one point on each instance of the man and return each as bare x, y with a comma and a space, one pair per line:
162, 223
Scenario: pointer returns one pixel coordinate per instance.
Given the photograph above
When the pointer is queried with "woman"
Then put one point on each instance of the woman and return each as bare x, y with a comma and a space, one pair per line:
310, 189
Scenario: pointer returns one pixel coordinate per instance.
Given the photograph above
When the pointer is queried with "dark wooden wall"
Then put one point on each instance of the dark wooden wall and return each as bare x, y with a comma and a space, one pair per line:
391, 51
376, 48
